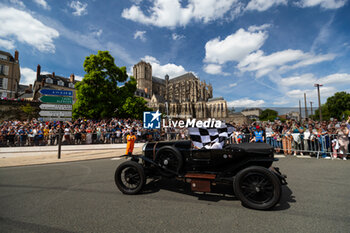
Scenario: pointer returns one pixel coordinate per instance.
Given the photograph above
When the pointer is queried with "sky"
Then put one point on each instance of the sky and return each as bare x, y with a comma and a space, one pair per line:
255, 53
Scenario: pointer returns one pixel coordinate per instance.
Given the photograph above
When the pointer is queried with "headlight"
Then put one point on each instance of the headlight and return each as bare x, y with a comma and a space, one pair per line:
144, 147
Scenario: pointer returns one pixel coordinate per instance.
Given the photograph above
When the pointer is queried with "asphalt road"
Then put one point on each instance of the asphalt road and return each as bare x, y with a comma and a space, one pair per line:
82, 197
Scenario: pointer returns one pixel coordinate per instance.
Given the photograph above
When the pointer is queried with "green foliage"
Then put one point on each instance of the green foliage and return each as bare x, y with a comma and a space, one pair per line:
98, 94
337, 106
133, 108
28, 110
268, 115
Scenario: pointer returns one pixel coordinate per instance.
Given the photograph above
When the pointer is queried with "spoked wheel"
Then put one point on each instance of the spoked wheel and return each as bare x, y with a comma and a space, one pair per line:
130, 177
257, 188
169, 158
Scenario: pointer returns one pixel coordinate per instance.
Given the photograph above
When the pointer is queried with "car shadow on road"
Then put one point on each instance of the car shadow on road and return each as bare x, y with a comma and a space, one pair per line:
218, 192
286, 199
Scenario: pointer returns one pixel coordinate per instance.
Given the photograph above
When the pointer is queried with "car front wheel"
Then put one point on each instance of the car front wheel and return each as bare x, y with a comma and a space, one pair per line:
257, 188
130, 177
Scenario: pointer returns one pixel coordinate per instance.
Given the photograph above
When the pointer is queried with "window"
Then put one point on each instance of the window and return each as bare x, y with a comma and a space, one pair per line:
3, 57
3, 83
4, 69
71, 85
49, 80
60, 83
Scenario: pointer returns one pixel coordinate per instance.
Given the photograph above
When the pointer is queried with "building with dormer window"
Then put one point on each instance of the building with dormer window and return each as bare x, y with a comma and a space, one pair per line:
9, 75
53, 81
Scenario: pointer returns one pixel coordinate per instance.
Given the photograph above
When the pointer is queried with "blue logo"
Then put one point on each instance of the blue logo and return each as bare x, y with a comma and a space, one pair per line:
151, 120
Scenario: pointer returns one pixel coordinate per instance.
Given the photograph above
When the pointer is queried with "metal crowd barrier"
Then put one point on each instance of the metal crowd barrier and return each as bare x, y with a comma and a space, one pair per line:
326, 145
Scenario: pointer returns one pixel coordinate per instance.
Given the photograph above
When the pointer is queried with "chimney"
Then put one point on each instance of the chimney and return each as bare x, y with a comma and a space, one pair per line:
38, 68
71, 78
43, 83
53, 74
16, 55
29, 89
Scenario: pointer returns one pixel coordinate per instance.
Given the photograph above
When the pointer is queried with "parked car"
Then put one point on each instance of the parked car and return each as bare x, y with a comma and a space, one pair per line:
247, 166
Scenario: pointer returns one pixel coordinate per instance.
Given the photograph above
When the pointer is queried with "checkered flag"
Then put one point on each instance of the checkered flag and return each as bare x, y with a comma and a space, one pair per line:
204, 136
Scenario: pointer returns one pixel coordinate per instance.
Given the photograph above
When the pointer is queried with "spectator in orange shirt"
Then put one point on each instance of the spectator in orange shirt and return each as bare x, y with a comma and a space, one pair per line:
130, 143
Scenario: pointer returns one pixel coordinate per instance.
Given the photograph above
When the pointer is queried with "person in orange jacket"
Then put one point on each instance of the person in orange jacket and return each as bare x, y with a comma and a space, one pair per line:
130, 143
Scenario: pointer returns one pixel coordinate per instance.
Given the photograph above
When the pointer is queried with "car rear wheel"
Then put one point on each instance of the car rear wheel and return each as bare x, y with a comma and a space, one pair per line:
170, 161
130, 177
257, 188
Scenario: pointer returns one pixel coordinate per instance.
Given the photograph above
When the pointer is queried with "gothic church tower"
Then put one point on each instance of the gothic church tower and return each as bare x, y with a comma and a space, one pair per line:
142, 72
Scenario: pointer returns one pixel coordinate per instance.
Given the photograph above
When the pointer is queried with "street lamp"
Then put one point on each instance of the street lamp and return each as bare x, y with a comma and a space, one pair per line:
319, 99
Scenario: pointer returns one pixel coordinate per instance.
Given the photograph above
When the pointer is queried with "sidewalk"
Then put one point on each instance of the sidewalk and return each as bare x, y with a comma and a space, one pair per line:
19, 156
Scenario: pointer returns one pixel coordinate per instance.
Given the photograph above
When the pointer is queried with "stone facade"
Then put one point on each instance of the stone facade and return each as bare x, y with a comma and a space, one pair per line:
9, 75
184, 96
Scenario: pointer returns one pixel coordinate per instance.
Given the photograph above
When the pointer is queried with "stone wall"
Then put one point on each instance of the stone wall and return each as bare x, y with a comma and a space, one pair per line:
10, 109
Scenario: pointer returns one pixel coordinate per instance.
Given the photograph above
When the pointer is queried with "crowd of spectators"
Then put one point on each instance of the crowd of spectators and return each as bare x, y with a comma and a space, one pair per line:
37, 133
326, 138
329, 139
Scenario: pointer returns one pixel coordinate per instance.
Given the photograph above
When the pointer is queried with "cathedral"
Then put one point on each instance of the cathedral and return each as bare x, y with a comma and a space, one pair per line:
184, 96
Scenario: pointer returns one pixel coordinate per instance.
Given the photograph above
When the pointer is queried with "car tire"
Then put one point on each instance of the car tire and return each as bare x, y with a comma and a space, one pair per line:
130, 177
169, 158
257, 188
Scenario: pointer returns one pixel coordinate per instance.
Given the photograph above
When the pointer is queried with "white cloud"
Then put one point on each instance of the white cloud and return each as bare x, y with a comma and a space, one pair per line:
309, 59
28, 76
233, 85
43, 4
336, 79
18, 3
7, 44
234, 47
171, 13
326, 4
245, 102
78, 7
160, 71
97, 33
305, 80
78, 78
262, 65
255, 28
177, 36
311, 93
140, 35
213, 69
263, 5
26, 29
244, 46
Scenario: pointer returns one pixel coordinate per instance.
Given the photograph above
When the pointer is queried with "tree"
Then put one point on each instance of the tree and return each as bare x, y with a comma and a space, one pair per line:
133, 108
268, 115
28, 110
101, 92
338, 104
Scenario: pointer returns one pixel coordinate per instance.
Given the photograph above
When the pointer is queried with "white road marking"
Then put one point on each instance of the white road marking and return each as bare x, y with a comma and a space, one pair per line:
116, 158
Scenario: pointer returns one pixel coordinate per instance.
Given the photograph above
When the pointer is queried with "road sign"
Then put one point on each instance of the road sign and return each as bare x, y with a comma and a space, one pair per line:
56, 107
56, 92
56, 99
56, 113
54, 119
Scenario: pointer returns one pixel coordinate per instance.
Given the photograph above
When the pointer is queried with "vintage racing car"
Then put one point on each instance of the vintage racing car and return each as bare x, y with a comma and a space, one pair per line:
248, 166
